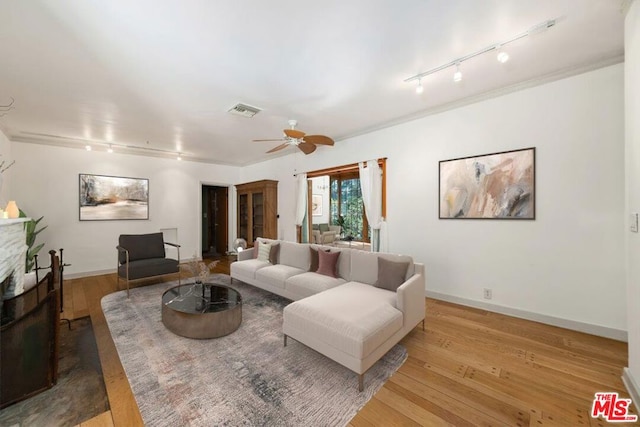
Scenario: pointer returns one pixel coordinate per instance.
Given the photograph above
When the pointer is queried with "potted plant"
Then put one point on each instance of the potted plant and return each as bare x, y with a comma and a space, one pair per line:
31, 227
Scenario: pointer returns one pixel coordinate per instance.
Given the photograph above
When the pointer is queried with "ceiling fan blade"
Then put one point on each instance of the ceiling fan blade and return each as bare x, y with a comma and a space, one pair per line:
306, 147
318, 139
293, 133
278, 148
267, 140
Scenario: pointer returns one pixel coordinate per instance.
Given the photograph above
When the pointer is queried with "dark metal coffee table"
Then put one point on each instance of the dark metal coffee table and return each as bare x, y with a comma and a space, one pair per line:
202, 310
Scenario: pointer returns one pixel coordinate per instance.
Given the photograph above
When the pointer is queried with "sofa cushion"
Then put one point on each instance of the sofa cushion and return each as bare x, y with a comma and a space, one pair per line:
294, 254
354, 318
364, 265
328, 263
391, 274
141, 246
149, 267
248, 267
307, 284
323, 227
276, 275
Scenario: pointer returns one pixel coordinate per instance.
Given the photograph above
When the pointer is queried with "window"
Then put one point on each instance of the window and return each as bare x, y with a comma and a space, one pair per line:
346, 203
346, 199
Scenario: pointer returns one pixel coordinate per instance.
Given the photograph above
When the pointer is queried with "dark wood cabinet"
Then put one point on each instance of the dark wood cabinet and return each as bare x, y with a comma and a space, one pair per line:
258, 210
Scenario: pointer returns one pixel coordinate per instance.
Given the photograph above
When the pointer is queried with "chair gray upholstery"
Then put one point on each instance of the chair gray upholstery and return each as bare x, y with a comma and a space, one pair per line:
142, 256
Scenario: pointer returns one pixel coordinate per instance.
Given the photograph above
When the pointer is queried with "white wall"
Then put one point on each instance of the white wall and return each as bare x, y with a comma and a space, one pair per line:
568, 264
45, 182
632, 157
5, 178
320, 187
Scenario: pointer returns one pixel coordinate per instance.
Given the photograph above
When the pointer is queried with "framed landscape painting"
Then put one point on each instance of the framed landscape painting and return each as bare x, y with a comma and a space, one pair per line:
490, 186
104, 198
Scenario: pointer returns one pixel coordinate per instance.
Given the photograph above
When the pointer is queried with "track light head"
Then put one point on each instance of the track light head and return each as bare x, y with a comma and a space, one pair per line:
110, 149
457, 76
179, 157
87, 147
502, 56
419, 88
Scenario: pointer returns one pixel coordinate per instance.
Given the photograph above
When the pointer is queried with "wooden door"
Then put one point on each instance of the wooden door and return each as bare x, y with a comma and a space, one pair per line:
221, 220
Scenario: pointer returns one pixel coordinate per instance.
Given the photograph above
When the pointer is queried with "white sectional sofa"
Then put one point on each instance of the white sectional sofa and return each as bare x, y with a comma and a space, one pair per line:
352, 318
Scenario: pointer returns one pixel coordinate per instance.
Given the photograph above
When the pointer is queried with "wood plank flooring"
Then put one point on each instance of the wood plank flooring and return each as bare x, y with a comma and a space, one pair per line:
469, 367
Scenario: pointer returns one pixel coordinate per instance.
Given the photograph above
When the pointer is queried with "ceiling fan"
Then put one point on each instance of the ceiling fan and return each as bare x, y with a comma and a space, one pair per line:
306, 143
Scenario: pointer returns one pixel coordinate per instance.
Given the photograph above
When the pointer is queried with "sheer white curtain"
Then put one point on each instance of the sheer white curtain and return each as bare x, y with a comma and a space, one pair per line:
371, 185
301, 205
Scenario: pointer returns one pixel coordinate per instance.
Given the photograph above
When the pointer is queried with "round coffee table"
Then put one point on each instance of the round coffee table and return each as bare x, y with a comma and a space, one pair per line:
202, 310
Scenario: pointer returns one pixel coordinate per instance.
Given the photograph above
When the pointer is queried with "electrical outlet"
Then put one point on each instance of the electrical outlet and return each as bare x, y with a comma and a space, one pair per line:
488, 293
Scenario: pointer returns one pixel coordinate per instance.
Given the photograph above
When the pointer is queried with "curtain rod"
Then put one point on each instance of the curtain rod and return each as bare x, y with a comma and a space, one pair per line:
339, 169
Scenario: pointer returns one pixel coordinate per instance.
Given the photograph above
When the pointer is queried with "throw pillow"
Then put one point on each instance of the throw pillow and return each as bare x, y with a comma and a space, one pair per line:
256, 245
328, 263
391, 274
264, 250
323, 227
314, 258
273, 253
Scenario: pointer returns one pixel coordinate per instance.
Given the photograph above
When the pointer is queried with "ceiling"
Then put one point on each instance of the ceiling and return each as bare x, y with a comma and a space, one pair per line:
161, 75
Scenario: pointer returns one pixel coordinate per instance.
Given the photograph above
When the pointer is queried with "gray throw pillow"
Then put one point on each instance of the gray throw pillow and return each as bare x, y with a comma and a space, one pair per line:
391, 274
323, 227
273, 253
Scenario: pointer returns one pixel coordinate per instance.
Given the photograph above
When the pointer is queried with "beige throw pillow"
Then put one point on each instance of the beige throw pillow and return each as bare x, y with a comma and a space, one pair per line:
264, 250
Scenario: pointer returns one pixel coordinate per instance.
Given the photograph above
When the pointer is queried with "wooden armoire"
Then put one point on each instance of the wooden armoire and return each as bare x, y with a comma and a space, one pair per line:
257, 210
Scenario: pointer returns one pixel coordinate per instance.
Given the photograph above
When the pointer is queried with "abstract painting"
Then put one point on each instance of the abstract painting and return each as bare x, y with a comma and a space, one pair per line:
489, 186
113, 198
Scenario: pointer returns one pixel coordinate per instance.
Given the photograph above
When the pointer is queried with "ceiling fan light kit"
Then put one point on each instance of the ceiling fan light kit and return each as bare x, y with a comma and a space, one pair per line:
293, 137
502, 56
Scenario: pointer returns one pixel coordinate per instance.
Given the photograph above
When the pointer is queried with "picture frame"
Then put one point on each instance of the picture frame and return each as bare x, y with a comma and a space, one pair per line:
316, 205
489, 186
112, 198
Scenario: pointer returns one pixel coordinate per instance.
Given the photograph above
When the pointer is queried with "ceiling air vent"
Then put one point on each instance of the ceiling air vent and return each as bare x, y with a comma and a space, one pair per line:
244, 110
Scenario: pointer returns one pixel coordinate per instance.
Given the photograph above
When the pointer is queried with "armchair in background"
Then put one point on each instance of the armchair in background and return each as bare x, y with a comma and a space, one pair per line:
142, 256
325, 234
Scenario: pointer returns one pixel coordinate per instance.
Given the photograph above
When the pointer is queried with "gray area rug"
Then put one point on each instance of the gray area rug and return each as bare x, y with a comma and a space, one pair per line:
245, 378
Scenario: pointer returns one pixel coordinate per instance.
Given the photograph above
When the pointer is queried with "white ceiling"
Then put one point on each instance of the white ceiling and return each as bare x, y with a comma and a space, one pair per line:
162, 74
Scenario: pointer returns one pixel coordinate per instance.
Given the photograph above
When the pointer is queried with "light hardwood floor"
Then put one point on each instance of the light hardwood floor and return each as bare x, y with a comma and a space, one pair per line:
470, 367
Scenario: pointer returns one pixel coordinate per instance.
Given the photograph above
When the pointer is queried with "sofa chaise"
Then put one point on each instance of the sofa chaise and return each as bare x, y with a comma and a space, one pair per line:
354, 313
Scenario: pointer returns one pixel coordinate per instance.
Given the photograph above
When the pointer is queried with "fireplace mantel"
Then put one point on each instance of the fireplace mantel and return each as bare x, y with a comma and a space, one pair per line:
13, 251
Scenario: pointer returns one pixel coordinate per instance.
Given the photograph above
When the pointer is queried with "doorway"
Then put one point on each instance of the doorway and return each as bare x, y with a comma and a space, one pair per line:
215, 223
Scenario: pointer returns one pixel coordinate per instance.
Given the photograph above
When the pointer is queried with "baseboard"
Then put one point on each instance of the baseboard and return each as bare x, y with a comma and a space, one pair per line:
88, 274
111, 271
588, 328
632, 386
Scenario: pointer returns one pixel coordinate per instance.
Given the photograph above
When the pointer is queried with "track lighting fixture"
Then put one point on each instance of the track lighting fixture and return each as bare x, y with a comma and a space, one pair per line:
87, 147
110, 149
179, 157
502, 56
